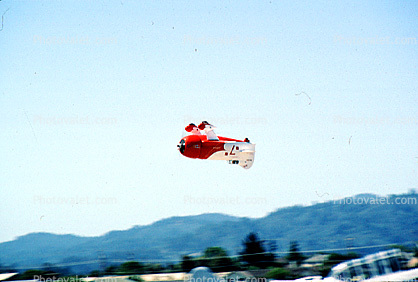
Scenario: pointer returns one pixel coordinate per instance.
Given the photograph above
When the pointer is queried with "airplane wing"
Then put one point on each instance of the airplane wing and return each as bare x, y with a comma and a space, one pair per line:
208, 128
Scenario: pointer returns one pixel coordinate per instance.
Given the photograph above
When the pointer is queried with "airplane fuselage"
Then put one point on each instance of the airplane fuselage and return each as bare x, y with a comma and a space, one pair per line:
233, 150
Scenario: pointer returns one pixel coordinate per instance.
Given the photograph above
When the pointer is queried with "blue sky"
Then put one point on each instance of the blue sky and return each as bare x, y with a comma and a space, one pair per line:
95, 95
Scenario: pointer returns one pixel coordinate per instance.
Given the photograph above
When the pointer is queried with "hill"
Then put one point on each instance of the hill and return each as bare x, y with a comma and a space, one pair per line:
329, 225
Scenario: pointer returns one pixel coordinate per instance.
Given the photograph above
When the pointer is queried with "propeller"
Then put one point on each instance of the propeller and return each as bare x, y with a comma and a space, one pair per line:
181, 147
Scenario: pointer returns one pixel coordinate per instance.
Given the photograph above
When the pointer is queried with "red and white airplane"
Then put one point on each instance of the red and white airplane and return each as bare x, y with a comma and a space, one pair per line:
208, 146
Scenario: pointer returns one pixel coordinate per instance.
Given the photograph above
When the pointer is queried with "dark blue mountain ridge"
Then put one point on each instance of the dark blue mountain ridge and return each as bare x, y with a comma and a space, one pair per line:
328, 225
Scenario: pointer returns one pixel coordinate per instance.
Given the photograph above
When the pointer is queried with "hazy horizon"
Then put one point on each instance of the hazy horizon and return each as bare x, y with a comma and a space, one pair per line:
237, 216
